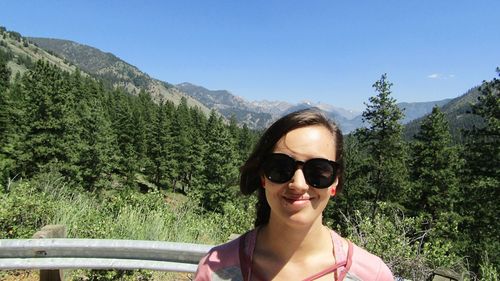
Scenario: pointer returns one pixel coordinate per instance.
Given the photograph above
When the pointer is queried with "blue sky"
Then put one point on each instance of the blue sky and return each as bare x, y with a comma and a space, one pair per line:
323, 51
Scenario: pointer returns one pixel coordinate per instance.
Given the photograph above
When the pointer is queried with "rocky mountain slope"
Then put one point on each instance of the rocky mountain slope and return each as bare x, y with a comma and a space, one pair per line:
113, 70
22, 53
256, 114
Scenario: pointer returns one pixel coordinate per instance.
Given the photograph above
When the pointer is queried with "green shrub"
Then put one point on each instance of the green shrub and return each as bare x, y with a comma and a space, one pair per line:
23, 211
401, 243
488, 270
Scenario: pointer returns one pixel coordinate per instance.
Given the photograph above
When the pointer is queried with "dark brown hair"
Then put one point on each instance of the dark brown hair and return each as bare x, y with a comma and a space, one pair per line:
251, 170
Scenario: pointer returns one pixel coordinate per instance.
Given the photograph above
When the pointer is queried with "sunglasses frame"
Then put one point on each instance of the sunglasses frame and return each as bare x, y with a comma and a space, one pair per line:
304, 166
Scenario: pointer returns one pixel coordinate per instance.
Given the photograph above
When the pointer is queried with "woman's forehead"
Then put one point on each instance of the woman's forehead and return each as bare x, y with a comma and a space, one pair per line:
308, 142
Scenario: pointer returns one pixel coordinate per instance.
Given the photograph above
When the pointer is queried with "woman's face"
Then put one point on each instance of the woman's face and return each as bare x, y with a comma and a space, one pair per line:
295, 202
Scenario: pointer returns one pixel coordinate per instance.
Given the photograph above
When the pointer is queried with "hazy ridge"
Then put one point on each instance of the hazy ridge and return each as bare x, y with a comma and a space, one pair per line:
256, 114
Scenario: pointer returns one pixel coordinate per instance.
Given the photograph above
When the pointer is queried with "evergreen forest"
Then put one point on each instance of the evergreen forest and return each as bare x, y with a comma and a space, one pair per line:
109, 164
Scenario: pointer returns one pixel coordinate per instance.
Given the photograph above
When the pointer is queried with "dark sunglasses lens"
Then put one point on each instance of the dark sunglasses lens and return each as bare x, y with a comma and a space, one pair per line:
279, 168
319, 173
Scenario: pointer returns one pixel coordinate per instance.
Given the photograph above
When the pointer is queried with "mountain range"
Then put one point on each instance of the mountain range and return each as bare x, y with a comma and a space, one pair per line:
115, 72
261, 113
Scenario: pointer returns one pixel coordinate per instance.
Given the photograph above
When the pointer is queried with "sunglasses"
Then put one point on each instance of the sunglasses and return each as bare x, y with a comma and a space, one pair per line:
318, 172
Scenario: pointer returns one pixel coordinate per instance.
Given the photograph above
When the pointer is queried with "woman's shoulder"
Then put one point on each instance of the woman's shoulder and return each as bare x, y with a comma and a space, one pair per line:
365, 265
222, 262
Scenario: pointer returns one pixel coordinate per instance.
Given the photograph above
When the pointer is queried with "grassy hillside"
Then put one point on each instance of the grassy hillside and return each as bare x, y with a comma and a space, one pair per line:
113, 70
23, 53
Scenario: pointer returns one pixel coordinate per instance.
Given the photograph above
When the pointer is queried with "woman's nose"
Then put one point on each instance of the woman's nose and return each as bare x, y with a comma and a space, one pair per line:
298, 181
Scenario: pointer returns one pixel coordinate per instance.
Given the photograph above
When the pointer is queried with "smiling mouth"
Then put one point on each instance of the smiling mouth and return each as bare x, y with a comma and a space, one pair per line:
296, 200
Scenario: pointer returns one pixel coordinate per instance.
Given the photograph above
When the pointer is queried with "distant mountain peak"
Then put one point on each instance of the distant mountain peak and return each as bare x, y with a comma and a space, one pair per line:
257, 114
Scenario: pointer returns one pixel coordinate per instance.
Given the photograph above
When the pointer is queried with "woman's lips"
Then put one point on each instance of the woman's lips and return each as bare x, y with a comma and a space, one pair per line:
296, 200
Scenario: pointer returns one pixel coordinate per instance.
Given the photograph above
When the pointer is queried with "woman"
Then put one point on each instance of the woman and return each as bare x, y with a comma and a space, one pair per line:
295, 168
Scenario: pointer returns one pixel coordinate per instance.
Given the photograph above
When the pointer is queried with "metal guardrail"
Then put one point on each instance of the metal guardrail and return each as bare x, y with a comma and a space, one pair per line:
51, 255
64, 253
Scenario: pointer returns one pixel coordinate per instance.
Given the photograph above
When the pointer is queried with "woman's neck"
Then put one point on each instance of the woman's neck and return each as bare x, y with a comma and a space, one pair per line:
293, 243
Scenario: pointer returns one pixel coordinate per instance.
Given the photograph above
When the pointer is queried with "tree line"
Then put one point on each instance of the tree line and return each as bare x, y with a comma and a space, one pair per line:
55, 121
101, 138
452, 189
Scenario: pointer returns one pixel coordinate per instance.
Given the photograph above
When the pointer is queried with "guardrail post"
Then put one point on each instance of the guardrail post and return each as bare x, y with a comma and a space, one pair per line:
445, 274
51, 231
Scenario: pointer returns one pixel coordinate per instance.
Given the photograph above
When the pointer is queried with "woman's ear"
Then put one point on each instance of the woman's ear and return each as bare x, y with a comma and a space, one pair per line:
333, 189
263, 181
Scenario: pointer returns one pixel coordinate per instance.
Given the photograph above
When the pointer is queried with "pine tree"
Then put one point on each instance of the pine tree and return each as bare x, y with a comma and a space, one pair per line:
386, 170
51, 139
483, 142
16, 126
170, 162
246, 140
220, 156
4, 74
4, 86
158, 146
5, 161
482, 176
197, 149
181, 137
98, 148
435, 166
138, 133
220, 160
435, 185
353, 196
242, 138
123, 127
146, 112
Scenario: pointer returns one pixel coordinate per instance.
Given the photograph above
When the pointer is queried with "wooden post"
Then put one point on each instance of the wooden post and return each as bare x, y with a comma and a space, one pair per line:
51, 231
445, 274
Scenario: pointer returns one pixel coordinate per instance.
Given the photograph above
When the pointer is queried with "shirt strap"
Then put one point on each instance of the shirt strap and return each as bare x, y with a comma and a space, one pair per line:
344, 263
343, 273
245, 262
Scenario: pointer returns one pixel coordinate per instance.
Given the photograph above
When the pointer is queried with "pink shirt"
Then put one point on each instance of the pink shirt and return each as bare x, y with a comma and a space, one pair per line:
227, 261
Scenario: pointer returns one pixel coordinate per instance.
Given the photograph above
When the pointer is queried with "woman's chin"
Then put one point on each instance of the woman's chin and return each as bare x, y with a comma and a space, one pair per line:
299, 215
